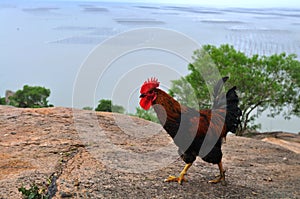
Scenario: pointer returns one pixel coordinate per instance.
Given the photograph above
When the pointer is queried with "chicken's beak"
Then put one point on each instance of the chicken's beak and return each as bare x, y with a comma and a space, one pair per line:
142, 95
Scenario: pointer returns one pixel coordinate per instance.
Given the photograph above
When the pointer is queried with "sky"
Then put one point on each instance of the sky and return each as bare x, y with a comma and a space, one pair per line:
220, 3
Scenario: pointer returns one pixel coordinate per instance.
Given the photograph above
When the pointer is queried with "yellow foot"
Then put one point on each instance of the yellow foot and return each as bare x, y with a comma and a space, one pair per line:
220, 178
179, 179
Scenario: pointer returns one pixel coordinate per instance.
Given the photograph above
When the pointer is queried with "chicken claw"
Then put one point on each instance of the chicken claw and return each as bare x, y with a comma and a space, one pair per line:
179, 179
220, 178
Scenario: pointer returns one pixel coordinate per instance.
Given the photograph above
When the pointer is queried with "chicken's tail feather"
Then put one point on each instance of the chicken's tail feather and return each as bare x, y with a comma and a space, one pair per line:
233, 112
230, 103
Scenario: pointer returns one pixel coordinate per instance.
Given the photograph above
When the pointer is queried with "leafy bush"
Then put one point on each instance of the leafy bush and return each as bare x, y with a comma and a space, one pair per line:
31, 97
33, 192
107, 106
2, 101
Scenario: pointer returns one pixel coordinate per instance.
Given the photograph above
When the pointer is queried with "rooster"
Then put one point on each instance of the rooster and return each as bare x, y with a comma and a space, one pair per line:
196, 133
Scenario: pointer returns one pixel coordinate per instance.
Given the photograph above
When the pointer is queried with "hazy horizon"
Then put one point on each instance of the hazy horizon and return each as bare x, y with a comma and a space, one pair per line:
217, 3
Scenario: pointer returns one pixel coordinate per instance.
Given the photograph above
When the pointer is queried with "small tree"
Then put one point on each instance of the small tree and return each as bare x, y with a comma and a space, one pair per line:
2, 101
30, 97
107, 106
263, 82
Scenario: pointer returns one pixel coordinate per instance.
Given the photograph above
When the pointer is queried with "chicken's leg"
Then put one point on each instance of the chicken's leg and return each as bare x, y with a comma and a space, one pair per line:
220, 178
180, 178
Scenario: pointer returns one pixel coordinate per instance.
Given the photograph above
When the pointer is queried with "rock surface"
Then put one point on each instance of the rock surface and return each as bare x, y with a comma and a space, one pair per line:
83, 154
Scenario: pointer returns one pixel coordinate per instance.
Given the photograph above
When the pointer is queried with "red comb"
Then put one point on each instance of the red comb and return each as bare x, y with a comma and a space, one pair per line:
149, 84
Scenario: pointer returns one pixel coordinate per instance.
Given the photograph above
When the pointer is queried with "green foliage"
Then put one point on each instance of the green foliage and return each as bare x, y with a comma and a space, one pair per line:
184, 92
147, 115
107, 106
2, 101
87, 108
32, 193
31, 97
264, 82
104, 105
118, 109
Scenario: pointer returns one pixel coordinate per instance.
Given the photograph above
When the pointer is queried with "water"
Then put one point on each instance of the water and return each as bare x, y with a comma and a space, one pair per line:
45, 43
